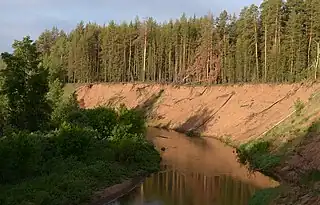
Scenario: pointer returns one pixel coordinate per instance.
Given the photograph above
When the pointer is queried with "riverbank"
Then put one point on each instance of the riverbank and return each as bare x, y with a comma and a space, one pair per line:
205, 110
270, 123
114, 192
289, 153
195, 171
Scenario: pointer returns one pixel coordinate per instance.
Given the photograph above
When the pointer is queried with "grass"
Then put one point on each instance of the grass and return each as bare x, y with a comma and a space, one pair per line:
264, 196
258, 157
272, 149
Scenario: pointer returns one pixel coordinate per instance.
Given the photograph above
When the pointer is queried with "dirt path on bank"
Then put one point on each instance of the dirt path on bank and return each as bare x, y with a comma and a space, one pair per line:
237, 112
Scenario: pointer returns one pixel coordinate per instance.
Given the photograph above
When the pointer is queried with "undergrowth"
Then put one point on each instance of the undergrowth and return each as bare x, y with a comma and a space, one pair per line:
257, 156
264, 196
86, 151
268, 152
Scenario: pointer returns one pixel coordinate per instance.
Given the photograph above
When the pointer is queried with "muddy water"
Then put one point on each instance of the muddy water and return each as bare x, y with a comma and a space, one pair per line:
195, 171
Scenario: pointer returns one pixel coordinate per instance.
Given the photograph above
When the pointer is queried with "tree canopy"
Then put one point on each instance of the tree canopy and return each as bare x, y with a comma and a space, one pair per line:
25, 86
277, 41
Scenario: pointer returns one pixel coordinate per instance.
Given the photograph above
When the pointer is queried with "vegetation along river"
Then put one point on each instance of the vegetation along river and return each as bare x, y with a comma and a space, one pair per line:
195, 171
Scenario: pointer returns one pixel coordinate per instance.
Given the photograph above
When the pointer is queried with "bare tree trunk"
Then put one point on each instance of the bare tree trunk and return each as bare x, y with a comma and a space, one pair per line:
170, 73
124, 77
129, 68
265, 53
144, 55
292, 58
257, 58
184, 55
176, 65
317, 61
309, 45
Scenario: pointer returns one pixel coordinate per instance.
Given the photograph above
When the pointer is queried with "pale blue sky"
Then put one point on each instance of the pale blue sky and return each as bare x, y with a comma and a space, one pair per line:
19, 18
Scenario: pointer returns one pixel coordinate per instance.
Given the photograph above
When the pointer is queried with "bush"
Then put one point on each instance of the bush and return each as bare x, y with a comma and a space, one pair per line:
102, 119
257, 156
63, 110
134, 118
88, 149
299, 105
55, 93
135, 150
20, 156
74, 141
264, 196
3, 113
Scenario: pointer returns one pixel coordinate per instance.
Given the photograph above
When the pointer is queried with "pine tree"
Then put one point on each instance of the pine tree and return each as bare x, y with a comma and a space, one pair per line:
296, 41
313, 34
271, 15
278, 42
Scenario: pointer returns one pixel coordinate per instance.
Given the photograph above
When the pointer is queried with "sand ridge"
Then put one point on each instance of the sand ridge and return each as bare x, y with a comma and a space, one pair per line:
238, 112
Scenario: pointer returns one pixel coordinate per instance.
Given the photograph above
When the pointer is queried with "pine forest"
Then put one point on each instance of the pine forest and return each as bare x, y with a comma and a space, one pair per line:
275, 42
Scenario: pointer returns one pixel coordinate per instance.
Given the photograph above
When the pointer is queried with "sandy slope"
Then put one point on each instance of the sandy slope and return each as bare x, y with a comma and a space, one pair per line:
238, 112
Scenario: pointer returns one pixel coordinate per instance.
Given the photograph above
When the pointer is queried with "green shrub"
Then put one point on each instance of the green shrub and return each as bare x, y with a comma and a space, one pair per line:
264, 196
315, 127
299, 105
134, 118
55, 93
120, 132
87, 150
64, 110
20, 156
74, 141
257, 156
102, 119
135, 150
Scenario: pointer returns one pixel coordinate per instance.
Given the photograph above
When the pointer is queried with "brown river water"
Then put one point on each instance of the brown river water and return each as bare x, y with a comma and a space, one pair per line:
195, 171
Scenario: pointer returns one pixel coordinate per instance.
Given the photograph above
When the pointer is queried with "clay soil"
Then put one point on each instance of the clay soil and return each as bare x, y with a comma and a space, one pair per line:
238, 112
301, 162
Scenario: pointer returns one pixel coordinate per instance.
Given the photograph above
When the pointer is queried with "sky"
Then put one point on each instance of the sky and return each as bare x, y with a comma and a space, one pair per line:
19, 18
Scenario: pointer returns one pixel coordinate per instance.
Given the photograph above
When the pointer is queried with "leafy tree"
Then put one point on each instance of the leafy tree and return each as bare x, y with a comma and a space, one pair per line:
55, 92
25, 85
2, 64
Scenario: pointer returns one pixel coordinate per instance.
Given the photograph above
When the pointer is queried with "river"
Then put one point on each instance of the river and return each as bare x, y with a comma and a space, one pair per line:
195, 171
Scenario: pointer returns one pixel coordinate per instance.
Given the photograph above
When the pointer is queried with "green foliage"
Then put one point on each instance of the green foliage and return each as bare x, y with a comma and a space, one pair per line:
3, 114
299, 105
133, 150
132, 117
89, 149
74, 141
55, 93
274, 42
25, 86
257, 156
315, 127
311, 176
264, 196
64, 109
101, 119
19, 156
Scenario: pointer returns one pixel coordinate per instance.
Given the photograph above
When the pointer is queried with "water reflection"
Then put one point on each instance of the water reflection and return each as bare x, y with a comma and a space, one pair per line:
174, 187
195, 172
